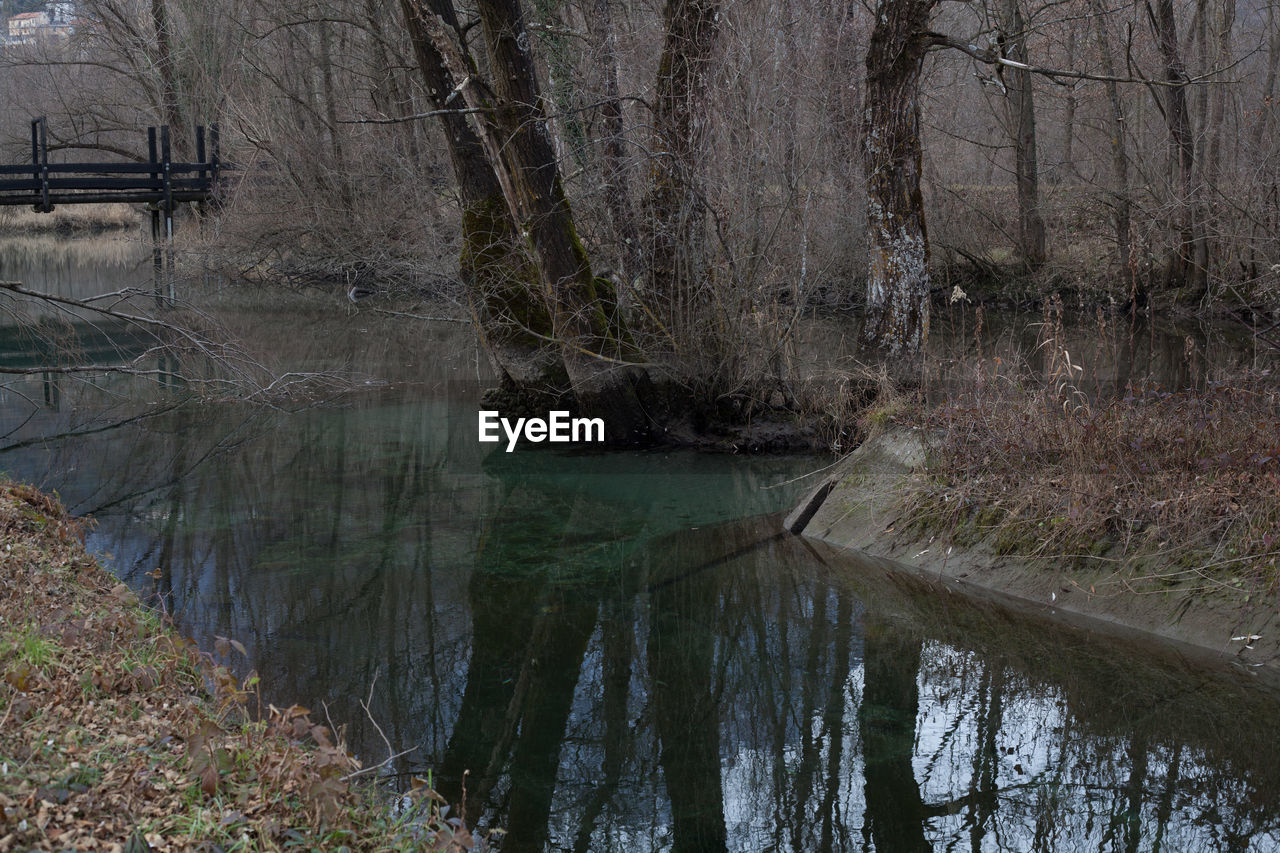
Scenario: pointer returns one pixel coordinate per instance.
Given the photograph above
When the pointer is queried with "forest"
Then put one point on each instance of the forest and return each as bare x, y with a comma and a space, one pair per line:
636, 201
1033, 241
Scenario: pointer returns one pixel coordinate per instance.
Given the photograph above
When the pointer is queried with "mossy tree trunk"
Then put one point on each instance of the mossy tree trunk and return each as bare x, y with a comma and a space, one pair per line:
585, 318
673, 206
512, 128
513, 320
898, 269
533, 185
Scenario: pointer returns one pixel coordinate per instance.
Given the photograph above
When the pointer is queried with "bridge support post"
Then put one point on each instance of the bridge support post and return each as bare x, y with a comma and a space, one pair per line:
157, 256
40, 162
162, 257
166, 154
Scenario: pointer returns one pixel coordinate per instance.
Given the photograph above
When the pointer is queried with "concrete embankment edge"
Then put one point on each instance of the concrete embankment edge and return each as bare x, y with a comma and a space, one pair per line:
854, 519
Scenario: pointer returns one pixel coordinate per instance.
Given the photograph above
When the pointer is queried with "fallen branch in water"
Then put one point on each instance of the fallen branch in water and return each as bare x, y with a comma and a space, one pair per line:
242, 374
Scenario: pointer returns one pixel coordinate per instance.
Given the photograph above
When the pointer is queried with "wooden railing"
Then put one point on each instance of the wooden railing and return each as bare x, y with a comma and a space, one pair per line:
159, 181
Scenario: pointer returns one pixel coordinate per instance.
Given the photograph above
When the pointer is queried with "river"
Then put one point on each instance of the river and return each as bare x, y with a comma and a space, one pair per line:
621, 649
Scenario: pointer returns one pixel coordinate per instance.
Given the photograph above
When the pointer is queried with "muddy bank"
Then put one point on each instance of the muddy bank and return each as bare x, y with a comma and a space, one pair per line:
856, 518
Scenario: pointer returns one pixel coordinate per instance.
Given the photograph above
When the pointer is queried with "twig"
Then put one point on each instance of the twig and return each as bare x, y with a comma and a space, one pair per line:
391, 755
806, 475
380, 764
990, 57
419, 316
415, 116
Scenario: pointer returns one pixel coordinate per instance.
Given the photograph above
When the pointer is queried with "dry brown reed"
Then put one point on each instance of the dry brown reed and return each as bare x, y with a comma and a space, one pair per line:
1184, 481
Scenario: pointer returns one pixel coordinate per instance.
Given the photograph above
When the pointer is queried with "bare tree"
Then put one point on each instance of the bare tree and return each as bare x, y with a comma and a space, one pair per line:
513, 126
1022, 129
898, 270
494, 263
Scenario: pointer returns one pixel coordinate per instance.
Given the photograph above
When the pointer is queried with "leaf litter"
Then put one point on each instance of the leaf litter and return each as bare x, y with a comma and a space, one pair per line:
118, 734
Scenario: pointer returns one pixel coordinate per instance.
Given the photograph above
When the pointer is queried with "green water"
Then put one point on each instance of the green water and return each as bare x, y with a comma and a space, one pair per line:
621, 648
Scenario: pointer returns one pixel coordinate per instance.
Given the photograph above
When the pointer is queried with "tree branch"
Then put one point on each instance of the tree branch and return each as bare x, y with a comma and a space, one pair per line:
988, 56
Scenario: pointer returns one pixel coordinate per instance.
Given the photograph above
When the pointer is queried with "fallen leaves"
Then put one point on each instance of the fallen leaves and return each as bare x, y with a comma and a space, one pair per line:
118, 734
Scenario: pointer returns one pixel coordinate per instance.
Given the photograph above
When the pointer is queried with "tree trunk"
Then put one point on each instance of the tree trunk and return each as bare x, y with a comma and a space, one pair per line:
385, 90
336, 173
515, 324
674, 208
533, 177
614, 163
584, 318
1267, 100
898, 269
586, 326
1022, 126
170, 105
1068, 166
1211, 163
1119, 158
1181, 270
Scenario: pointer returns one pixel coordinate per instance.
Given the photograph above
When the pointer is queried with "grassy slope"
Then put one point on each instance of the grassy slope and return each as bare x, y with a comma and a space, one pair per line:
1179, 488
117, 734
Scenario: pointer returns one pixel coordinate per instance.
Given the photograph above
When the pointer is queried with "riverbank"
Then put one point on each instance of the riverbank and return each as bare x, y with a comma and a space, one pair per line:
116, 733
70, 220
1032, 520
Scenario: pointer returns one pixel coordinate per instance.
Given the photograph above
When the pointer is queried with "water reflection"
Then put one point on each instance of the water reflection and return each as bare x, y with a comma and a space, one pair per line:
601, 655
602, 660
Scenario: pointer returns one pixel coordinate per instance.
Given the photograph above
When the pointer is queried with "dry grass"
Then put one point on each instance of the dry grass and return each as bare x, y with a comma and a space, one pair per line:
69, 219
1184, 483
118, 734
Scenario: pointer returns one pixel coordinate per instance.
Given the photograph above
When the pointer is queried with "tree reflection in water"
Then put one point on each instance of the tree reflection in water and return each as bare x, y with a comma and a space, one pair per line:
613, 668
895, 813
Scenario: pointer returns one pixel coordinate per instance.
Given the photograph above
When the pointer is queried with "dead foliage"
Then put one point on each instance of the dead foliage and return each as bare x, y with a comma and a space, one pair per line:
118, 734
70, 219
1186, 483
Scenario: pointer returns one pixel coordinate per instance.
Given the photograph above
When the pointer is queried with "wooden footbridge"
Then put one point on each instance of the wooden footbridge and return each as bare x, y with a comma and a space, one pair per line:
159, 182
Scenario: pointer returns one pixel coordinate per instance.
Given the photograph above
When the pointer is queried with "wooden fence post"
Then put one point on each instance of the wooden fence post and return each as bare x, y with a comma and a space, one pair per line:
215, 152
166, 156
45, 207
35, 155
157, 256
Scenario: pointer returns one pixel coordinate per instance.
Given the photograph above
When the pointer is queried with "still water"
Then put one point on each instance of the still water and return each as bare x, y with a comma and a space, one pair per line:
620, 650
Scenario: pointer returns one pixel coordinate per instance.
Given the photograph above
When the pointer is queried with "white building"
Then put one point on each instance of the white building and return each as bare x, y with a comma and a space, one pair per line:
61, 12
28, 24
29, 27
